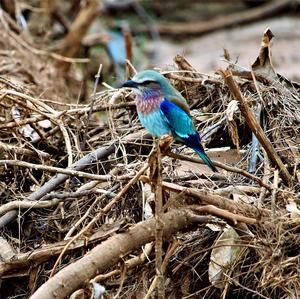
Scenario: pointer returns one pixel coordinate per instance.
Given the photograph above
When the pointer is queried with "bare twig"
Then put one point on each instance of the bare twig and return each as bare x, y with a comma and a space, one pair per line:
66, 171
223, 166
274, 193
97, 78
254, 125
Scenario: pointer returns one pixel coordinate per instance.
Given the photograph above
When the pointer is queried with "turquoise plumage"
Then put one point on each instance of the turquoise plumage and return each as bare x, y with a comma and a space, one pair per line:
163, 110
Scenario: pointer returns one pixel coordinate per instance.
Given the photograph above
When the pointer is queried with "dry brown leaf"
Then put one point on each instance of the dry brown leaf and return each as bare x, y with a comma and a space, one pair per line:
233, 131
232, 126
263, 64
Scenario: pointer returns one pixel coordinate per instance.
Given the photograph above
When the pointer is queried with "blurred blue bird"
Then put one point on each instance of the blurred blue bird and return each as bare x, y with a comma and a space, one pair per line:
117, 53
162, 110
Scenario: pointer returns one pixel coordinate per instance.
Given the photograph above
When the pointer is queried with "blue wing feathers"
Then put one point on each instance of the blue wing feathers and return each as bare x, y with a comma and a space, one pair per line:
182, 128
179, 121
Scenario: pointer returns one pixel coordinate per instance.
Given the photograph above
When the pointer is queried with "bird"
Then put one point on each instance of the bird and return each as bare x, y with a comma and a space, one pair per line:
162, 110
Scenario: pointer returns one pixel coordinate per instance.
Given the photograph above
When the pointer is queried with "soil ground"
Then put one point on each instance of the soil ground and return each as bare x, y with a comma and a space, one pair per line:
205, 53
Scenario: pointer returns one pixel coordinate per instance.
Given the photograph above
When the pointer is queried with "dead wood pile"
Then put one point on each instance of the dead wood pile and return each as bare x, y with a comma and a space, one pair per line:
78, 195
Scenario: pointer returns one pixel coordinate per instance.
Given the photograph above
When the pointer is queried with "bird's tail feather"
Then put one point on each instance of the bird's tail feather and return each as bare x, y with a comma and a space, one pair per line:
206, 160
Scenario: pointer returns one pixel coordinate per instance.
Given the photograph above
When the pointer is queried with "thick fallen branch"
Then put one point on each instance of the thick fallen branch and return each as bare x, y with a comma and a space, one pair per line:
254, 125
111, 252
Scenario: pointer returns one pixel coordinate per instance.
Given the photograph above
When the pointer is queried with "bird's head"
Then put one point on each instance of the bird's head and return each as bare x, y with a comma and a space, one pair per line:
149, 82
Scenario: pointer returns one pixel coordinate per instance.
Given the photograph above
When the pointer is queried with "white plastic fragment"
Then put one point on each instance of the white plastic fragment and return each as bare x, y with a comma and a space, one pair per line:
223, 257
98, 290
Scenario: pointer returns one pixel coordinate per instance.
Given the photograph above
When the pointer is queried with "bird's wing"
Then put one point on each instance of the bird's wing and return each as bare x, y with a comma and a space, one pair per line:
180, 102
182, 128
178, 119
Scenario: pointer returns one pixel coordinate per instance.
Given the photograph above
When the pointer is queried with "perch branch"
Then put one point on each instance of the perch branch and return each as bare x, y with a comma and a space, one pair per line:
159, 224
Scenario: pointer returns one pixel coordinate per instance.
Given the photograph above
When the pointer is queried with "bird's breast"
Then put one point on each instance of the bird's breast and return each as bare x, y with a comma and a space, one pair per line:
154, 123
147, 105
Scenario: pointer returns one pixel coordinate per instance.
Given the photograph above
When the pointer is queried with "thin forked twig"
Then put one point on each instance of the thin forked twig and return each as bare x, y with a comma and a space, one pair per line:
97, 78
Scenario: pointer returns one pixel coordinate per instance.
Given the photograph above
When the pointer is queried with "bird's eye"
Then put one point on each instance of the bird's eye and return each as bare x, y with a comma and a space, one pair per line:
147, 82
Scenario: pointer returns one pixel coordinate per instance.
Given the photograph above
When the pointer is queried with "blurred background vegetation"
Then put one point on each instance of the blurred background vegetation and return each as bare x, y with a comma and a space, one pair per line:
151, 33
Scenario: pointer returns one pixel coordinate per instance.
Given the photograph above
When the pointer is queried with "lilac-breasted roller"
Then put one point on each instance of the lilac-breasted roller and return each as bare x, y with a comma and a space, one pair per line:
163, 110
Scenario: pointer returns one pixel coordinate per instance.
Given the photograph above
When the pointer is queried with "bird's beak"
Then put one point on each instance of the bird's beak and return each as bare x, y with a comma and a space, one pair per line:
131, 84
